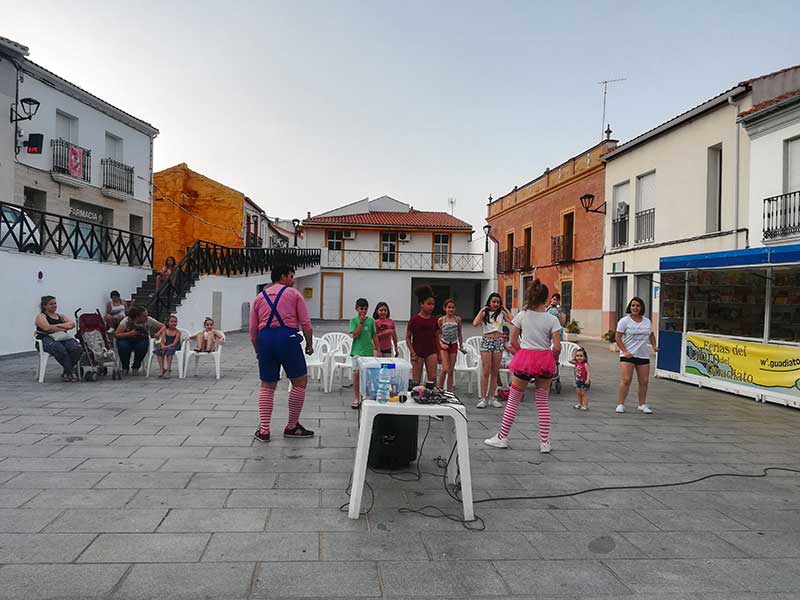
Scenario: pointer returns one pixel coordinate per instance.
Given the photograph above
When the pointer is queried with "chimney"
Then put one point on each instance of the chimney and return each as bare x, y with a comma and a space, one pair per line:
308, 215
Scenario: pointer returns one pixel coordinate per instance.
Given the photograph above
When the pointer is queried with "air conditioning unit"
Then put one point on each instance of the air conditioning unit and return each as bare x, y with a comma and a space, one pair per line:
622, 209
348, 234
403, 236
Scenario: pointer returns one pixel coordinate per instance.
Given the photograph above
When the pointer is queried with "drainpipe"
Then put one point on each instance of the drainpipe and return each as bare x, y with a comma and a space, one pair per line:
736, 181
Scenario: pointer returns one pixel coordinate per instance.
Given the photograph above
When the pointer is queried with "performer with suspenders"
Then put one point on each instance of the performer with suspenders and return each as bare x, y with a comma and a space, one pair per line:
276, 314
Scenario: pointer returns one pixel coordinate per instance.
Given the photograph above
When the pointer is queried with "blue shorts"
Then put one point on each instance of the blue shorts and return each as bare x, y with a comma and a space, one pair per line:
280, 347
581, 384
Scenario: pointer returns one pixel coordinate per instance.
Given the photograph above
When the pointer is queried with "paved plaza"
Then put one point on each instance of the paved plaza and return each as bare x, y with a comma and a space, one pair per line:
151, 488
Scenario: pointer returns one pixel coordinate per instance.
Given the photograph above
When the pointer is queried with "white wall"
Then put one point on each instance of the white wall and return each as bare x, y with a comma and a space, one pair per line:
421, 241
92, 127
767, 173
7, 75
75, 284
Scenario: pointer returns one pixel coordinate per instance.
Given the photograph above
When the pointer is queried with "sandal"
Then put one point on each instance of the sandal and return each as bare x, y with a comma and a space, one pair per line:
67, 377
355, 405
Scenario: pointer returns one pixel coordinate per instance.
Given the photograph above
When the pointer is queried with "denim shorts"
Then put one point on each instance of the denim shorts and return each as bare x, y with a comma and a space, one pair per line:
581, 384
491, 344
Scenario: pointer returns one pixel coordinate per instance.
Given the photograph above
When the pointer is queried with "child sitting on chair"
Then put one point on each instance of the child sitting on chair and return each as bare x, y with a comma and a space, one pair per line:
209, 338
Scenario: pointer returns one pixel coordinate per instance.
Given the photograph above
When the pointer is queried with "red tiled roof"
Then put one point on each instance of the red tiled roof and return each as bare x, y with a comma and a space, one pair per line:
770, 102
413, 219
768, 75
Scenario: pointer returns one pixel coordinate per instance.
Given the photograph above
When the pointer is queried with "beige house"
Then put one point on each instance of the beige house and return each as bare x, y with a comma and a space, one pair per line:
680, 188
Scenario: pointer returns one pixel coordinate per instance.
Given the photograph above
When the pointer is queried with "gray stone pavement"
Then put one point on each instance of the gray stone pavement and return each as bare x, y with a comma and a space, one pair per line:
151, 488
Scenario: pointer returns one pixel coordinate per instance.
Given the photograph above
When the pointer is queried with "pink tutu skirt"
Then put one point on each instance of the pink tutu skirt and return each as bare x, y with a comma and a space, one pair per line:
533, 364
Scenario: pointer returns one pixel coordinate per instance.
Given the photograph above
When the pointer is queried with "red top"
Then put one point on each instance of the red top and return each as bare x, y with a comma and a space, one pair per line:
385, 328
291, 307
423, 334
580, 371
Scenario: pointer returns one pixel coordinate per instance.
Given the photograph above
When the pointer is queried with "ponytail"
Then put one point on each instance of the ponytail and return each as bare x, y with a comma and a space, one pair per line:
536, 295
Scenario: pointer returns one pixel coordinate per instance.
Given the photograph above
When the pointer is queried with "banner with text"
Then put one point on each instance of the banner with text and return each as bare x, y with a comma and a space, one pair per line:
769, 367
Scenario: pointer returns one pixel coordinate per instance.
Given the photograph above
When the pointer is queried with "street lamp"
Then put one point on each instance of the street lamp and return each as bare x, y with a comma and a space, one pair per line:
586, 202
296, 223
30, 106
487, 229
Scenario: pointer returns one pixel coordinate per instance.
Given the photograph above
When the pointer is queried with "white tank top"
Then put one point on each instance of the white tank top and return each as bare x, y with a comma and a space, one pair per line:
494, 325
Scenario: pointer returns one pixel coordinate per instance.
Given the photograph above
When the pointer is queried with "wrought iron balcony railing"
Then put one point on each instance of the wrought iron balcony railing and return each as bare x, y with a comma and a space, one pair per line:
561, 248
117, 176
781, 216
208, 258
522, 258
505, 261
30, 230
645, 225
63, 152
398, 260
619, 232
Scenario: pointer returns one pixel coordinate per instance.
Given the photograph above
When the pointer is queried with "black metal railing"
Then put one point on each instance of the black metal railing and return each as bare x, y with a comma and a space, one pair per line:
30, 230
61, 158
645, 225
208, 258
781, 216
619, 232
522, 258
505, 261
404, 261
561, 248
117, 176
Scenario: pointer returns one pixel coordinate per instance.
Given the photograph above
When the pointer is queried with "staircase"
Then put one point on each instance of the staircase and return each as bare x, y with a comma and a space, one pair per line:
146, 292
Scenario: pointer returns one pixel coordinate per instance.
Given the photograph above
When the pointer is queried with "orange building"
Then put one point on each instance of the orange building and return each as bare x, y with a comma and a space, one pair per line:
188, 206
542, 231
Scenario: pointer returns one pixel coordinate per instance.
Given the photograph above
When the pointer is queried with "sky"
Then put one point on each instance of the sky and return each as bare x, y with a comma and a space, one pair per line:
308, 105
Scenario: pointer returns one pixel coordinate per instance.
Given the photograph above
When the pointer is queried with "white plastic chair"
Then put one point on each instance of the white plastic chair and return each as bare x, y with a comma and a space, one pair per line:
179, 356
335, 340
216, 354
402, 350
317, 362
43, 356
474, 342
344, 366
568, 350
470, 364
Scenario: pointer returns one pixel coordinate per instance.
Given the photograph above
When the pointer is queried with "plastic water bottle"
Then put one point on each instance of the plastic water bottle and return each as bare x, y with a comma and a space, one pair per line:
384, 384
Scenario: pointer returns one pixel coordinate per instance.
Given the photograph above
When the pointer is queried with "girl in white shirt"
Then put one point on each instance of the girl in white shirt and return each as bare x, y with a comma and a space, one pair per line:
490, 318
533, 332
634, 330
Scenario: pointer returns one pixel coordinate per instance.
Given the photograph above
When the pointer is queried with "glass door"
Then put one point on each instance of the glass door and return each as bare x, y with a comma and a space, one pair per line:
388, 250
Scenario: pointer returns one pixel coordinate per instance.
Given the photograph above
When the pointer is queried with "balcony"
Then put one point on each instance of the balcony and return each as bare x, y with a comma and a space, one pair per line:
252, 240
781, 216
619, 232
403, 261
72, 165
505, 261
117, 179
522, 258
645, 226
561, 248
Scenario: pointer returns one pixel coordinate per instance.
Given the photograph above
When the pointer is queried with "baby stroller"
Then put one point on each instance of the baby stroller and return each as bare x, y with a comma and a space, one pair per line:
97, 356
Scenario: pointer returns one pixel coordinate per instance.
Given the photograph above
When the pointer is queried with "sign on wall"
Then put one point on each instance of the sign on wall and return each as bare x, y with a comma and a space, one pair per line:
771, 368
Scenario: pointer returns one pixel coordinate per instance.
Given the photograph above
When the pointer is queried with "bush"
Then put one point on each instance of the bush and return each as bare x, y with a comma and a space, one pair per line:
573, 327
610, 336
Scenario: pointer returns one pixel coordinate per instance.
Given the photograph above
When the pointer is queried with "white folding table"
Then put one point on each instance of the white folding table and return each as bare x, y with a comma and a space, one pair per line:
370, 409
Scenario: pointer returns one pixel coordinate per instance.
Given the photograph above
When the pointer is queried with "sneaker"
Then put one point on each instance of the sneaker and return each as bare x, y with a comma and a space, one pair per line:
577, 406
134, 372
584, 407
261, 437
544, 447
620, 408
298, 431
481, 403
496, 442
645, 409
496, 403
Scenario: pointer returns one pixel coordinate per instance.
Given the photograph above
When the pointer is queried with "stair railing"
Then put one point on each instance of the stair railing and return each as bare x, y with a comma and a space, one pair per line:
208, 258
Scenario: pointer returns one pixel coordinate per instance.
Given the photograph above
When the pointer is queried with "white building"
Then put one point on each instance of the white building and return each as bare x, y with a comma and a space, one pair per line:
382, 249
95, 162
774, 130
681, 188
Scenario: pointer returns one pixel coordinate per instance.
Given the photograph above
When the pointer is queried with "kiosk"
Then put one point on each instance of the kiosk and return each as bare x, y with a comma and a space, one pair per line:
731, 321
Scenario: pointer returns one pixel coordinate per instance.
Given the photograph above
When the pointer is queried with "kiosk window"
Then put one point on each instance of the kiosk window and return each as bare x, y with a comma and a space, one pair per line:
673, 294
727, 302
784, 322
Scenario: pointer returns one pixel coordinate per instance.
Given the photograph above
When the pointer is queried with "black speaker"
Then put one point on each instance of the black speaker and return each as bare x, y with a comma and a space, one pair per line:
394, 441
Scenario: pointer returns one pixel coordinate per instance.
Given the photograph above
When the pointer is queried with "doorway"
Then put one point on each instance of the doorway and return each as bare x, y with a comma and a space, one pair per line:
644, 289
566, 298
620, 287
331, 296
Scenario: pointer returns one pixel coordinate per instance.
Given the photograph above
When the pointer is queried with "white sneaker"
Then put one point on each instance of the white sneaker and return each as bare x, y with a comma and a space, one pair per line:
620, 408
497, 442
544, 447
577, 407
645, 409
496, 403
481, 403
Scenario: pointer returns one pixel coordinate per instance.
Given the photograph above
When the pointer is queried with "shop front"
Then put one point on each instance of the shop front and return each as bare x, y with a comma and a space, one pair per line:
731, 321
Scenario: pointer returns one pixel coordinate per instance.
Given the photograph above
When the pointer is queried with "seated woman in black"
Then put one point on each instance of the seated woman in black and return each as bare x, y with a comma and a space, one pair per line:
51, 329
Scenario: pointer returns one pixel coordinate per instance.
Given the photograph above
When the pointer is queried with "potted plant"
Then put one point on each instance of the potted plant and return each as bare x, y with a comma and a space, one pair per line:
610, 336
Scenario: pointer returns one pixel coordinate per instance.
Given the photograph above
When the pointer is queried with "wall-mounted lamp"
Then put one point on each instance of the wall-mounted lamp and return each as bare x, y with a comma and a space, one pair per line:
487, 229
586, 202
296, 223
30, 106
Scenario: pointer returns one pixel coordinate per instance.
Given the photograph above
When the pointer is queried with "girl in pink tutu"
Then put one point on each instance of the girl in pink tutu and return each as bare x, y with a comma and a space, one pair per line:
533, 332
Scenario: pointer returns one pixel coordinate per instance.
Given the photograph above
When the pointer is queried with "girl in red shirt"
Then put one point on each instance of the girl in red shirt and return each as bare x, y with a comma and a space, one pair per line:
387, 333
422, 336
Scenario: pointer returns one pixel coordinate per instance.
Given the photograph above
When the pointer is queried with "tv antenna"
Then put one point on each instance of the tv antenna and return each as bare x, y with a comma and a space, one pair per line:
452, 203
605, 83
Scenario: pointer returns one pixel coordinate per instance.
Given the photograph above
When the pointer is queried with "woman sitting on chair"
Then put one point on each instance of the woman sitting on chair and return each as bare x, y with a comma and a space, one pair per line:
52, 329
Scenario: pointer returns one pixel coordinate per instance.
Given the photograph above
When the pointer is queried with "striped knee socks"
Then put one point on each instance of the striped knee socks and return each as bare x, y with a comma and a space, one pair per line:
543, 408
510, 413
265, 401
296, 399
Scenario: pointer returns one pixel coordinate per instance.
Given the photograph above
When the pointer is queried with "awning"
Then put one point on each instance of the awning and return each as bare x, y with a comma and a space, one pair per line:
777, 255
